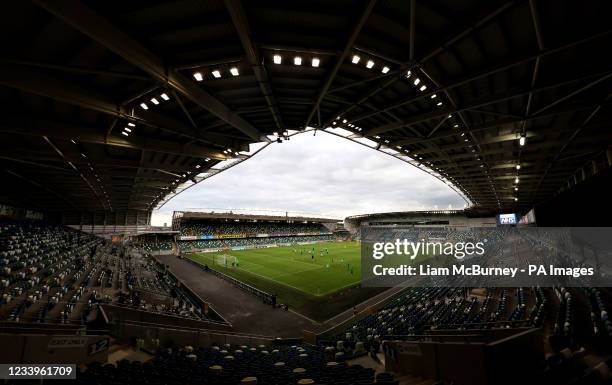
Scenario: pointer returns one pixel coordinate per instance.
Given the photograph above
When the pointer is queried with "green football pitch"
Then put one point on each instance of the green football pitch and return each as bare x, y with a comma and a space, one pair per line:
332, 266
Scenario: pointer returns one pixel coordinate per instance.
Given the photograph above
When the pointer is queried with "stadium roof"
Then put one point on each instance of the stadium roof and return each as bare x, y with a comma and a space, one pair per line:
452, 84
192, 215
473, 212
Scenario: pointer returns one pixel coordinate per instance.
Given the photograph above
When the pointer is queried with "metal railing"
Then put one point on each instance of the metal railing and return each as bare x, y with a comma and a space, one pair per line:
266, 297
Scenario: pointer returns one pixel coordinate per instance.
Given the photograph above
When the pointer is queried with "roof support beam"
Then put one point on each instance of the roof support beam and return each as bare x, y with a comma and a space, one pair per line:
76, 69
241, 24
493, 99
84, 19
492, 124
42, 187
42, 159
92, 135
568, 142
43, 85
347, 49
601, 141
478, 75
412, 27
478, 22
77, 171
177, 97
574, 93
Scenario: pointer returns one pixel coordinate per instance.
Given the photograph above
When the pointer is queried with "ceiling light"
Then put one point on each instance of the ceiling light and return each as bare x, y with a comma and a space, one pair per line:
315, 61
417, 81
72, 140
154, 101
164, 96
127, 129
515, 199
522, 140
516, 180
433, 96
198, 76
518, 166
456, 126
516, 189
385, 70
278, 59
369, 64
297, 61
125, 133
355, 59
234, 71
423, 87
131, 124
198, 166
344, 121
216, 74
144, 106
439, 104
408, 74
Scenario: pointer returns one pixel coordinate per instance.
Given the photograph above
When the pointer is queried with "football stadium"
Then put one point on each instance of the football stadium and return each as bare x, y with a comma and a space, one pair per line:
114, 110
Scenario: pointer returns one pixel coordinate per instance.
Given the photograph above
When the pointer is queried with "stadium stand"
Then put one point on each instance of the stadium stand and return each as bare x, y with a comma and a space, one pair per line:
109, 109
210, 231
251, 228
57, 274
240, 364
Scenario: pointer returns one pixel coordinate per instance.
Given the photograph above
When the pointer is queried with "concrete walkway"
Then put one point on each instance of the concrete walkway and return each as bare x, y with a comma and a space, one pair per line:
244, 311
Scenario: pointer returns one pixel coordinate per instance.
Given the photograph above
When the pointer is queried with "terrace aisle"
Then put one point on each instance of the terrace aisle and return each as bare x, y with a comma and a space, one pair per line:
244, 311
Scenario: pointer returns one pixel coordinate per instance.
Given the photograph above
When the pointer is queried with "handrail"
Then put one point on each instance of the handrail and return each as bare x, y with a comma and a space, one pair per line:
481, 324
129, 307
188, 328
479, 338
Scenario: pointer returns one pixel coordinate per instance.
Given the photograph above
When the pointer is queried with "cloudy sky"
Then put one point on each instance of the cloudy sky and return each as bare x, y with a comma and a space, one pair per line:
323, 175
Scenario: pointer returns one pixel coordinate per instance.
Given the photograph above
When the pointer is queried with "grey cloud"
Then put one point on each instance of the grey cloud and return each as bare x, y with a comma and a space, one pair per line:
323, 175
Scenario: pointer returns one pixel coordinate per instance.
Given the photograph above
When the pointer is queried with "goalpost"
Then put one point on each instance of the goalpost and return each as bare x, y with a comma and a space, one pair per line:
226, 260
